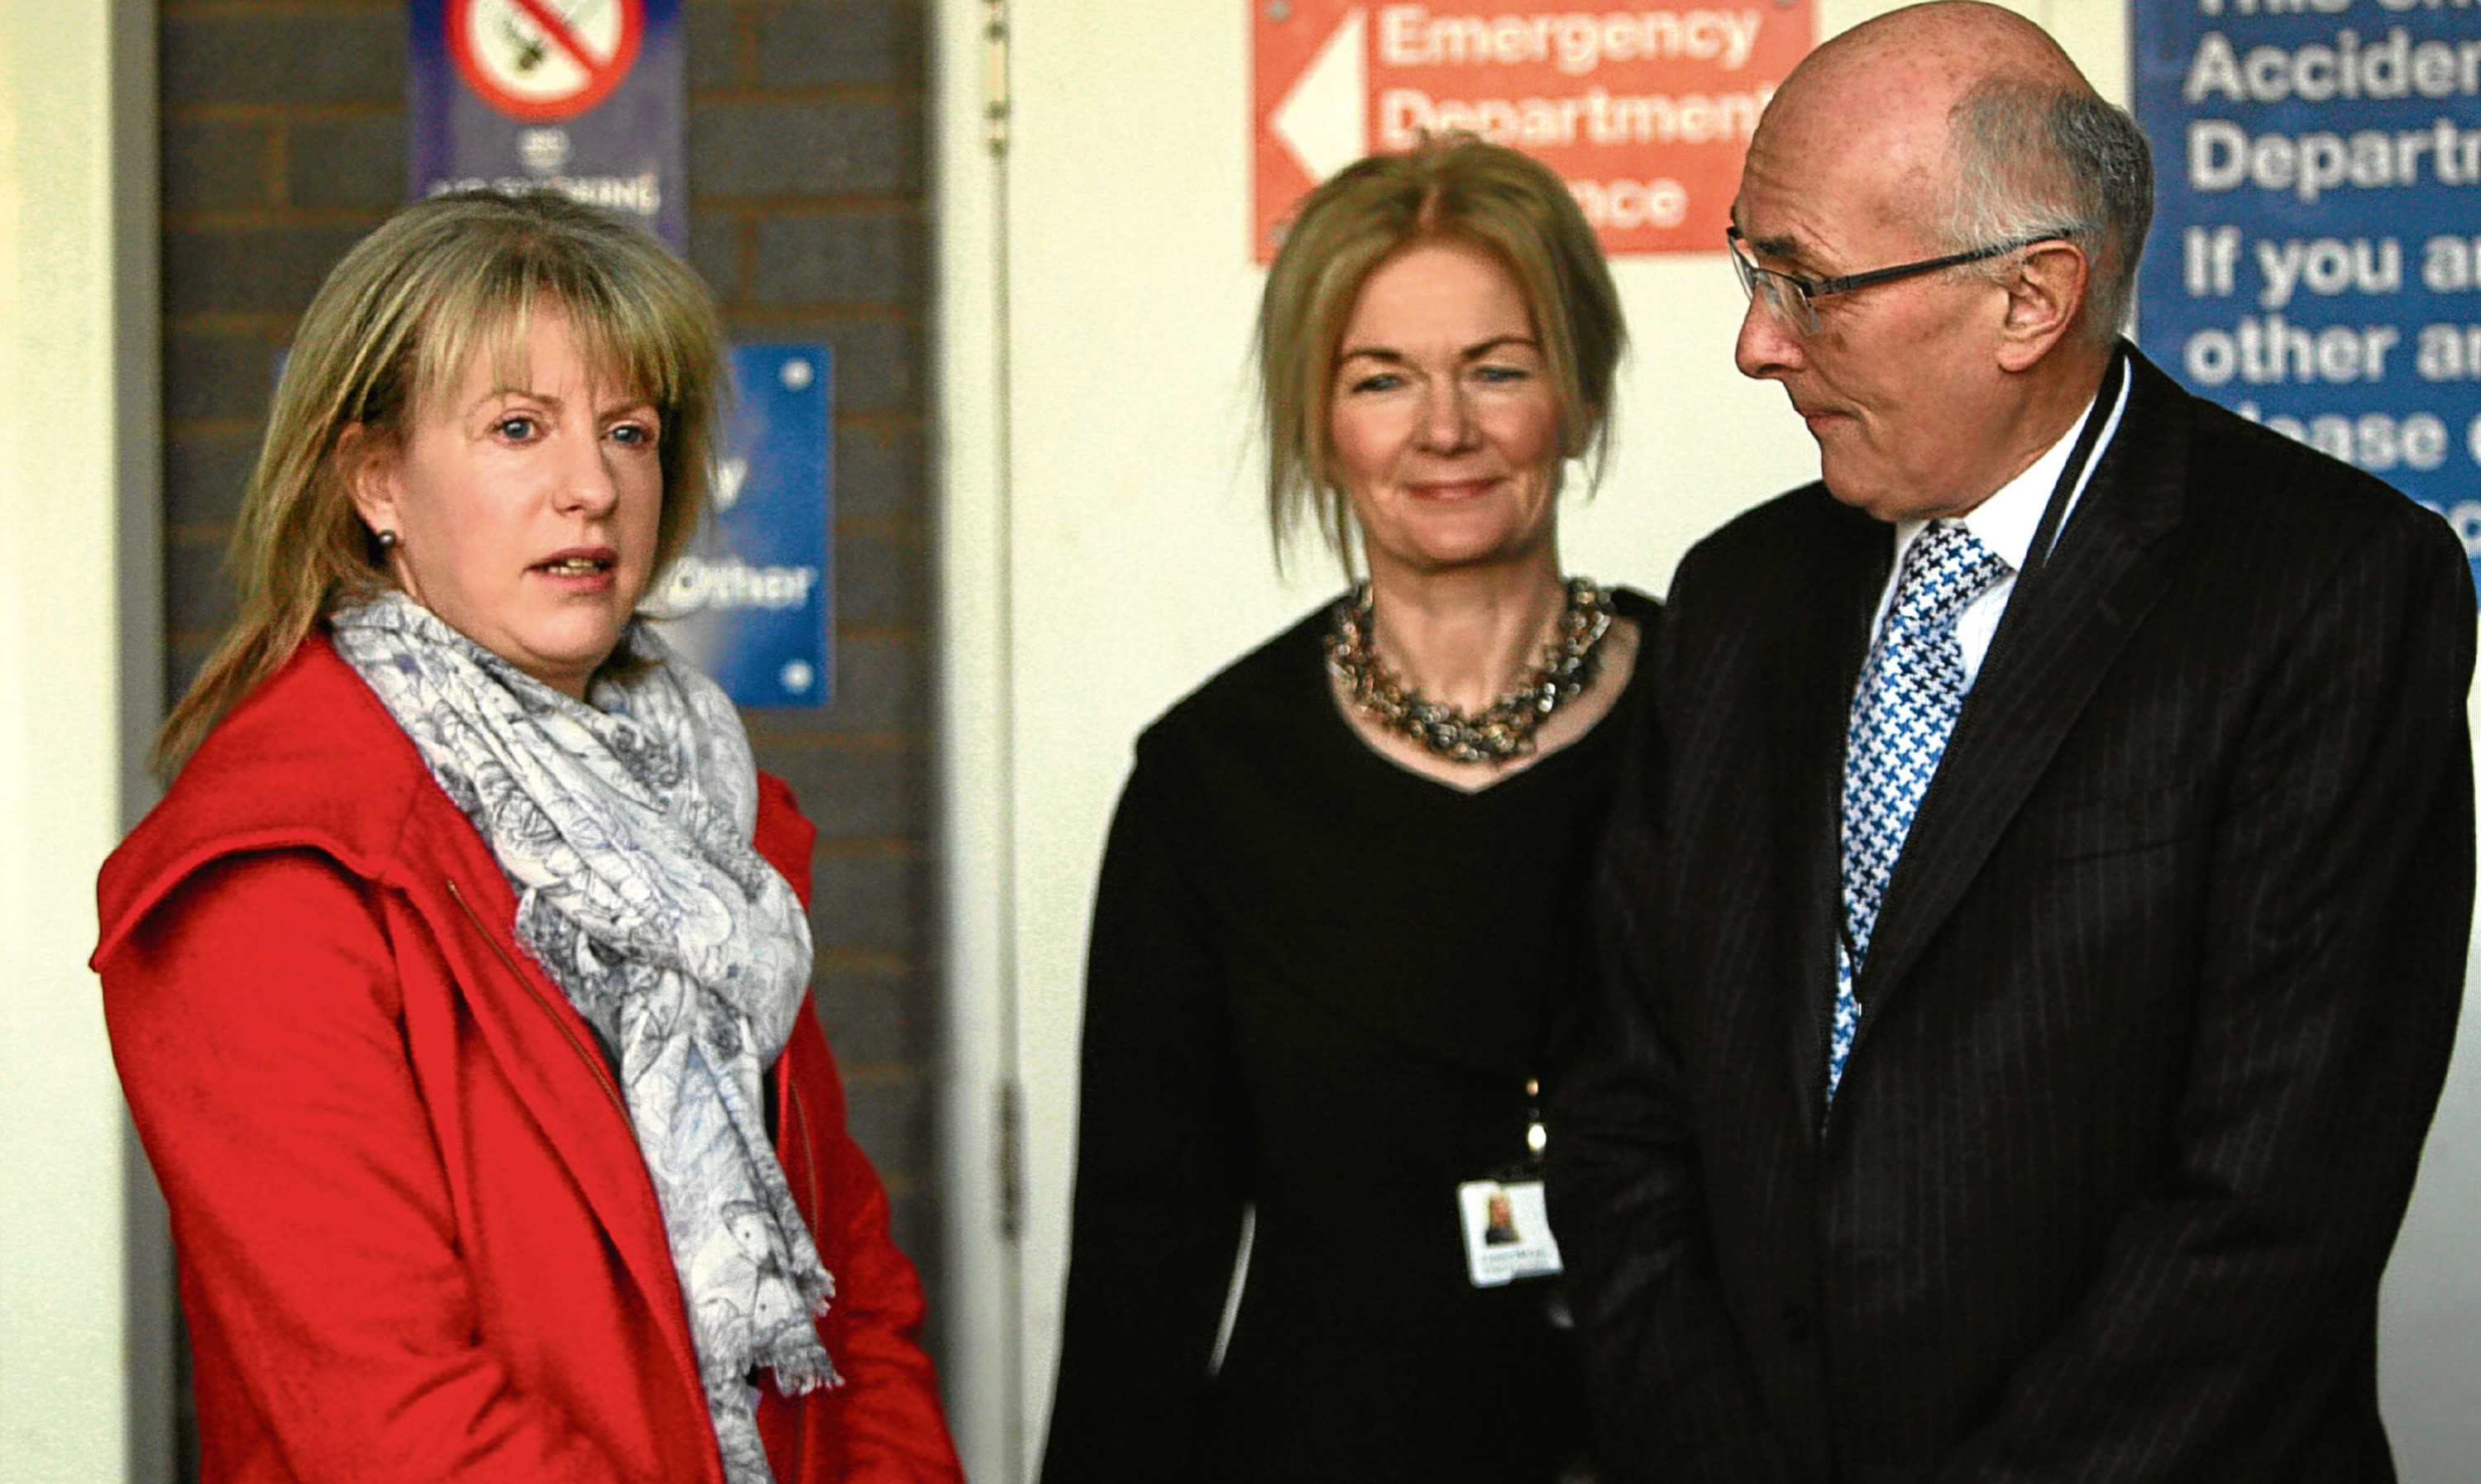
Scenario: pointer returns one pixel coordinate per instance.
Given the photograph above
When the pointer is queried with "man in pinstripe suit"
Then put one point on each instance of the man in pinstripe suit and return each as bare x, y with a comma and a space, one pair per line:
2145, 1026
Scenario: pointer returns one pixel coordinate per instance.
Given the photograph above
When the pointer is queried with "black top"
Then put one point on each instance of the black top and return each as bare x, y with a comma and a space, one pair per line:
1317, 983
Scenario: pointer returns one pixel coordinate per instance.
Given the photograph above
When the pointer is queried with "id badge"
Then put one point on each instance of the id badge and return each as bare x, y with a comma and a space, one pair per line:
1507, 1231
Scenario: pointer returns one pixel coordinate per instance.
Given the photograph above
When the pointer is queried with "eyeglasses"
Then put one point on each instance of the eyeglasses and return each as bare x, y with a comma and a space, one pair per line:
1794, 299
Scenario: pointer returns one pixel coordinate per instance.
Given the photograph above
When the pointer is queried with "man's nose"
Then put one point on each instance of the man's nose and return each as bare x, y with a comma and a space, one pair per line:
1766, 347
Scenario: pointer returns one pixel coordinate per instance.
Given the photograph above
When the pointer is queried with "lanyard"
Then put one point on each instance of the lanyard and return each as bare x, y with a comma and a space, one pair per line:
2045, 535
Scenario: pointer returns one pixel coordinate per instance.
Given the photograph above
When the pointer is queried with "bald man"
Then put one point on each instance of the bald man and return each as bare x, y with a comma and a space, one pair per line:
2033, 931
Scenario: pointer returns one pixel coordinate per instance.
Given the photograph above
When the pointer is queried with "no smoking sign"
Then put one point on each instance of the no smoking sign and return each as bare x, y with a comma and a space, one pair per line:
544, 60
580, 96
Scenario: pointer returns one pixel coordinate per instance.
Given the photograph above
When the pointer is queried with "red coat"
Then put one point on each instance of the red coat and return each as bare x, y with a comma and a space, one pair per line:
417, 1242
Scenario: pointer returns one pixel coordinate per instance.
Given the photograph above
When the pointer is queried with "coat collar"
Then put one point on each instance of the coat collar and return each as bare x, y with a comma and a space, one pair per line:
308, 760
2065, 626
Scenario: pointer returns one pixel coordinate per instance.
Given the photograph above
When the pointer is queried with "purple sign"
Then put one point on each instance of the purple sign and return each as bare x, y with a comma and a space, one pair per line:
582, 95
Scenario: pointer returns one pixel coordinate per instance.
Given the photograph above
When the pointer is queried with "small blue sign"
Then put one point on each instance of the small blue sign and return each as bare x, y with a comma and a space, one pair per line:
586, 97
2316, 251
750, 602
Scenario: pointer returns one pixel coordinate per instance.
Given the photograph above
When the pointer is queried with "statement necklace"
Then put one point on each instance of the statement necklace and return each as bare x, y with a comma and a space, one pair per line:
1504, 729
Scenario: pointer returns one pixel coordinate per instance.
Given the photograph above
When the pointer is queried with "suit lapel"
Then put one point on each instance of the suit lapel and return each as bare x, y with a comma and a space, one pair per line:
1820, 669
2065, 625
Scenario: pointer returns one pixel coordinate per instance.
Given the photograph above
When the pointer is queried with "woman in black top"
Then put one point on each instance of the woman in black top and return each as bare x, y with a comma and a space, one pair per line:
1337, 912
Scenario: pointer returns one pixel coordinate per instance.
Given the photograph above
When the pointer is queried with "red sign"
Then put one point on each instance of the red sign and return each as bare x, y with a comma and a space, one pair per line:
1644, 113
538, 60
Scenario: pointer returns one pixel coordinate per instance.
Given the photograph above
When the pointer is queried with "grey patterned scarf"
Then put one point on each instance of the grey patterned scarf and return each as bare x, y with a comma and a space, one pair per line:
624, 827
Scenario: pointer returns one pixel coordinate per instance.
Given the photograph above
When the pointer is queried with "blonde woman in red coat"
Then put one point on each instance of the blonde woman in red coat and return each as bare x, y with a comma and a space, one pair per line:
458, 984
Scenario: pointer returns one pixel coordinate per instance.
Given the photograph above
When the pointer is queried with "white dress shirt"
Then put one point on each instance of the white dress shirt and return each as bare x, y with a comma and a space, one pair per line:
2006, 523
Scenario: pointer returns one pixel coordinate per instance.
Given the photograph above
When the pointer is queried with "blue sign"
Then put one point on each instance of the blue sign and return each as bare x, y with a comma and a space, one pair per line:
2316, 255
750, 602
583, 95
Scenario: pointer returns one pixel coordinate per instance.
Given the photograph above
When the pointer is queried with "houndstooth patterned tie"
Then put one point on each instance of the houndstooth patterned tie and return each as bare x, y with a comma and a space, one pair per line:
1902, 710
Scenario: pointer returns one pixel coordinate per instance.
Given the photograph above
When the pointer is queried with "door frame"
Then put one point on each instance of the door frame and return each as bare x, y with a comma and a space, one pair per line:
973, 791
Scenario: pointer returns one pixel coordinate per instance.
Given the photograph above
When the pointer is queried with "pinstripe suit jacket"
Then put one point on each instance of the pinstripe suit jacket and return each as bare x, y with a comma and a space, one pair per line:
2155, 1017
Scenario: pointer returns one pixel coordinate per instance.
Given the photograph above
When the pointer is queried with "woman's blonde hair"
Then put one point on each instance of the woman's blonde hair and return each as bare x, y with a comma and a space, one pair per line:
398, 323
1450, 188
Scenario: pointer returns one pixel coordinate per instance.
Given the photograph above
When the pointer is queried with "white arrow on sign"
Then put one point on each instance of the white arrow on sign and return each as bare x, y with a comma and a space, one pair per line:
1324, 121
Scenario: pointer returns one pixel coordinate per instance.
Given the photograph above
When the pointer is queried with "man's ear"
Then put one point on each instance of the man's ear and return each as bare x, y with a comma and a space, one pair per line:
367, 461
2046, 295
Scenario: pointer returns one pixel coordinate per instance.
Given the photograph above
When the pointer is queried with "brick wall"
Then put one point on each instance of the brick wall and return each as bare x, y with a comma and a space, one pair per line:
283, 142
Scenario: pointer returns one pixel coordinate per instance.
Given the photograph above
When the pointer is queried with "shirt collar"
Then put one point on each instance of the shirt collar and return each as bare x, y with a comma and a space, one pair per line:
2006, 521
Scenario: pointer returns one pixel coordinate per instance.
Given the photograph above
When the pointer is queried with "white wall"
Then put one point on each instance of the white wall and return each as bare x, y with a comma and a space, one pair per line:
77, 459
1103, 551
2429, 1334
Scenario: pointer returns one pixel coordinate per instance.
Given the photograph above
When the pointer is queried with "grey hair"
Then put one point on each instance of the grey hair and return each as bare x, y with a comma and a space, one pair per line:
2037, 159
